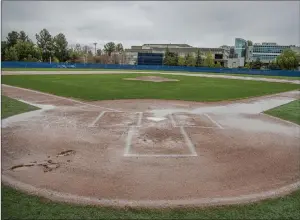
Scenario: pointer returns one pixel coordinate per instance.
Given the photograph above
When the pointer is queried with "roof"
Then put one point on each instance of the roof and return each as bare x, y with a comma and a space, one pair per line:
179, 45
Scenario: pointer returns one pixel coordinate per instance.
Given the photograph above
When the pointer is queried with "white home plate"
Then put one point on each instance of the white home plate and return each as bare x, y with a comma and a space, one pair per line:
156, 118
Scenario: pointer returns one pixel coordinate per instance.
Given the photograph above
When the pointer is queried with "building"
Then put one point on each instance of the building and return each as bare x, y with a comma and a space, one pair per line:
240, 46
219, 54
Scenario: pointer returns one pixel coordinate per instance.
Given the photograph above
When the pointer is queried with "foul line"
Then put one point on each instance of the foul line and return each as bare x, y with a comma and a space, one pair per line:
95, 121
37, 92
213, 121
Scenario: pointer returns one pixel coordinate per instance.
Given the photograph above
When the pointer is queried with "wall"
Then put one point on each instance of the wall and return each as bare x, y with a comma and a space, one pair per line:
13, 64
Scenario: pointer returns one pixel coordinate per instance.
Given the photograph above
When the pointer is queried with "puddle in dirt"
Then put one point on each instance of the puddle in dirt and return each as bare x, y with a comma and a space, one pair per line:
47, 167
66, 153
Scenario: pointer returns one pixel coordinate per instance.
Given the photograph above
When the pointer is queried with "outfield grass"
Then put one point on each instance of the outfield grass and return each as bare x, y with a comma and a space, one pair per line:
150, 71
18, 205
112, 86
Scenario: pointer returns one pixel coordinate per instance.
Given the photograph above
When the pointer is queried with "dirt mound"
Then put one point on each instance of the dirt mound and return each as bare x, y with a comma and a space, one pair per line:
152, 79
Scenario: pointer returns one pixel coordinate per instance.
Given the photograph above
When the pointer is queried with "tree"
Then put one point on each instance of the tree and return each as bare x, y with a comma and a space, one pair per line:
247, 65
199, 60
288, 60
23, 37
4, 46
209, 61
119, 47
109, 48
60, 45
26, 48
249, 43
181, 61
11, 54
189, 60
99, 52
257, 64
12, 38
45, 42
218, 65
273, 65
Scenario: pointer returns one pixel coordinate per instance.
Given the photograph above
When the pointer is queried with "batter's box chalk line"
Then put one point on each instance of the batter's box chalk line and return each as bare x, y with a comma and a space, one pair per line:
98, 118
188, 142
196, 126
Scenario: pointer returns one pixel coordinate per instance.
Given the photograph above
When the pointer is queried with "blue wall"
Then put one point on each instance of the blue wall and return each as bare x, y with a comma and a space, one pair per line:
14, 64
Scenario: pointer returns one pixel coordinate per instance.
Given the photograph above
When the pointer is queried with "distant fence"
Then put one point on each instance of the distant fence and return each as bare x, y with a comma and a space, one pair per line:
14, 64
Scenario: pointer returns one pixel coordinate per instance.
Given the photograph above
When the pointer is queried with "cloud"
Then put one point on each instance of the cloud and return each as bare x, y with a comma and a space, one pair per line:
205, 24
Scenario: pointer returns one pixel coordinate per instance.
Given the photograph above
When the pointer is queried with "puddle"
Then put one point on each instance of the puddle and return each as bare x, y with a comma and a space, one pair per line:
21, 167
66, 153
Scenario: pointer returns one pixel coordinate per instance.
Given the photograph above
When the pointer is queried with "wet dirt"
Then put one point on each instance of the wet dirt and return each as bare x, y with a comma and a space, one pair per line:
251, 155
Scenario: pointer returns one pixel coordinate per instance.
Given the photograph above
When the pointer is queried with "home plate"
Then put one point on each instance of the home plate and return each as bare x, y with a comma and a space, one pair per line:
156, 118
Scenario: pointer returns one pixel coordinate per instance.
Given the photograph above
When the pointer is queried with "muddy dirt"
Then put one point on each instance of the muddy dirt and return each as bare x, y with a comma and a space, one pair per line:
151, 162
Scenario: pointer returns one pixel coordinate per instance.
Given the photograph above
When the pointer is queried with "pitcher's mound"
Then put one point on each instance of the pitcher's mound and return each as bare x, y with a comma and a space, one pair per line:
152, 79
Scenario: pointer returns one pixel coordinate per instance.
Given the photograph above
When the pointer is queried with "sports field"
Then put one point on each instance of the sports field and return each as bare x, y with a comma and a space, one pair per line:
124, 142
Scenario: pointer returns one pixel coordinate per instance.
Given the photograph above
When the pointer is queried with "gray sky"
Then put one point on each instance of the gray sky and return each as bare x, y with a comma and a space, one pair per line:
203, 24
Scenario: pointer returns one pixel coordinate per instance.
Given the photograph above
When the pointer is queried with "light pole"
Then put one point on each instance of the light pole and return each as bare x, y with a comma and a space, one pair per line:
95, 48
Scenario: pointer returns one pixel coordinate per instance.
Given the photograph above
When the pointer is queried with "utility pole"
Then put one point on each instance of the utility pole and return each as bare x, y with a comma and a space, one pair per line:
95, 48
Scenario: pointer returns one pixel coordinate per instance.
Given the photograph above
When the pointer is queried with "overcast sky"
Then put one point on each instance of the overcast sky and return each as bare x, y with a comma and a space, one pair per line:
202, 24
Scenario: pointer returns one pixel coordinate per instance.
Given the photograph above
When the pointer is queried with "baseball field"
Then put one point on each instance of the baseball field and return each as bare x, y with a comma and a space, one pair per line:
149, 145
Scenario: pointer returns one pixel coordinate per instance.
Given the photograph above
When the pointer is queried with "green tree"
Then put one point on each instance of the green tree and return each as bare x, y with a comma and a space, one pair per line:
45, 43
247, 65
181, 61
24, 48
99, 52
189, 60
12, 38
55, 60
257, 64
199, 60
218, 65
288, 60
109, 48
11, 54
4, 46
24, 37
60, 45
209, 61
249, 43
119, 47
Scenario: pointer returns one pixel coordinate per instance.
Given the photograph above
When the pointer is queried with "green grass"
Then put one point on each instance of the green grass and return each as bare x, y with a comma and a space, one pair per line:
18, 205
150, 71
10, 107
289, 112
112, 86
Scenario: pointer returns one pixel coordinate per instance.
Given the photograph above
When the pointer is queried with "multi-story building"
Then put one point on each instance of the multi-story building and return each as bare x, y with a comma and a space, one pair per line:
219, 54
240, 46
265, 52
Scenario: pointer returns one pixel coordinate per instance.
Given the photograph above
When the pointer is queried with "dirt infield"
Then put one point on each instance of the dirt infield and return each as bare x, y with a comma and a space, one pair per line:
150, 153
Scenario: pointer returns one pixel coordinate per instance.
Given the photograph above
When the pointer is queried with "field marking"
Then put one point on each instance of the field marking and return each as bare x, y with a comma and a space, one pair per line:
172, 121
51, 95
128, 141
188, 142
140, 119
213, 121
97, 119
